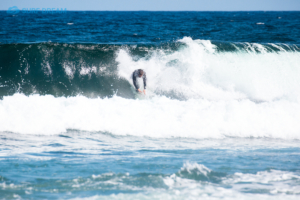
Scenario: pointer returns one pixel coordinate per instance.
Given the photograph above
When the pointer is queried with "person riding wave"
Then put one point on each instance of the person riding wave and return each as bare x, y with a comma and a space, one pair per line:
139, 73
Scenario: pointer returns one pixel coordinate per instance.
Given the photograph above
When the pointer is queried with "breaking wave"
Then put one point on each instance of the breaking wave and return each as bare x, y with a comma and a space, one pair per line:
196, 88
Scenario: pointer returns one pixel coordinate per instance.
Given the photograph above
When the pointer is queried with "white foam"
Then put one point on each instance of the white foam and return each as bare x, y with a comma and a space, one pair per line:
200, 169
248, 93
264, 177
156, 117
69, 69
88, 70
198, 71
273, 181
263, 185
281, 183
195, 194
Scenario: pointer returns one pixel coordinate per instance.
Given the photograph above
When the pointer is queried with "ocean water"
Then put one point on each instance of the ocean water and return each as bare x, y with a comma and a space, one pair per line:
220, 119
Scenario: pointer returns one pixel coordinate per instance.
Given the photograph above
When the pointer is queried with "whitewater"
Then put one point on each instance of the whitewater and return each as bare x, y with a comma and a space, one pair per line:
220, 119
195, 92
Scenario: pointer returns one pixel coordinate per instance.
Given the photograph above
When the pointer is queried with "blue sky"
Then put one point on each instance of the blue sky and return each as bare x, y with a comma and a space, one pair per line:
156, 5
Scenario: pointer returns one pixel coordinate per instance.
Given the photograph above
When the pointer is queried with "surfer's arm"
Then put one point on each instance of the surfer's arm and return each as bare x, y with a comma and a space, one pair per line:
135, 83
145, 80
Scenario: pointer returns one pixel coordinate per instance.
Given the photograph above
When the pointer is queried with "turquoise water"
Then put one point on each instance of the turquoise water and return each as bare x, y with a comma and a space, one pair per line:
97, 165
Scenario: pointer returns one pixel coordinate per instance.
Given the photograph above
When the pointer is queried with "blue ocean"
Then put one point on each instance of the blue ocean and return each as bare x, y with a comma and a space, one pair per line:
220, 119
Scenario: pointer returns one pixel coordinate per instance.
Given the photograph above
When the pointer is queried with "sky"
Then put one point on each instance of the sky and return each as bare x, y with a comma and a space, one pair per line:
157, 5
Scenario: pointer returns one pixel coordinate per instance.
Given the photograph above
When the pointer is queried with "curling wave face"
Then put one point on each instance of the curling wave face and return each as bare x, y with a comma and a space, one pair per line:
183, 70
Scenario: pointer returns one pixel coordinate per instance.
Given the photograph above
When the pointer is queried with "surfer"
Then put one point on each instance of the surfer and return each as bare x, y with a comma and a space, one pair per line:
139, 73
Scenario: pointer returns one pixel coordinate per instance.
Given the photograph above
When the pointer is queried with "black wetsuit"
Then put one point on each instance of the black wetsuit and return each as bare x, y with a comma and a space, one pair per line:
135, 75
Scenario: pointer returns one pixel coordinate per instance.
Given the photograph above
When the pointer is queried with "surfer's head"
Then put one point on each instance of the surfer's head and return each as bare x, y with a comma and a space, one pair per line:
141, 72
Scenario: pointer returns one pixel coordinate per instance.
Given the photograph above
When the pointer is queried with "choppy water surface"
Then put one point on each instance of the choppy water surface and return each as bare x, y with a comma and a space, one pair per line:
97, 165
220, 119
